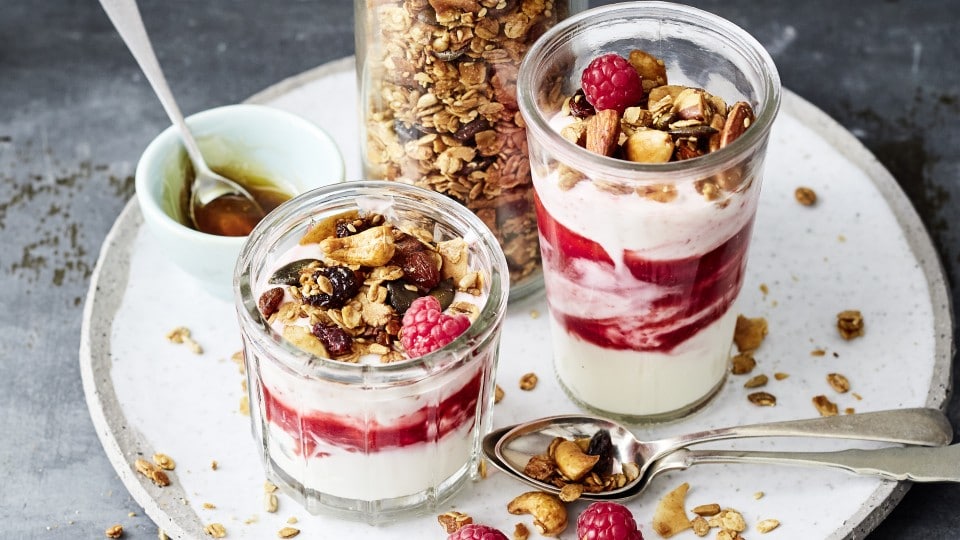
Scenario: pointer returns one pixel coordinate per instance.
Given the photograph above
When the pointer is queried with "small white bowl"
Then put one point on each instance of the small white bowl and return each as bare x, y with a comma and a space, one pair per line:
263, 141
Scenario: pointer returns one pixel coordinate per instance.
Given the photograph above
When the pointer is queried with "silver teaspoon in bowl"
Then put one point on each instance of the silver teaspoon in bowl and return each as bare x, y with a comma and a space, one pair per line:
207, 186
511, 448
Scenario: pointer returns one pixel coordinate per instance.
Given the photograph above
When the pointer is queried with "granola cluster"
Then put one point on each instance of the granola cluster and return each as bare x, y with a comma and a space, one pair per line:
441, 109
581, 466
347, 303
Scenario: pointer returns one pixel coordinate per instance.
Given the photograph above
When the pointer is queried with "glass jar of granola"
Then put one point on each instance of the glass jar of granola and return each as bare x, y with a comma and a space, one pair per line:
438, 108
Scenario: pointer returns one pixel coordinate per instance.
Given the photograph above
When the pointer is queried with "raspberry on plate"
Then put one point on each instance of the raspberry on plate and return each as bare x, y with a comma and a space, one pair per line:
610, 82
427, 328
477, 532
607, 521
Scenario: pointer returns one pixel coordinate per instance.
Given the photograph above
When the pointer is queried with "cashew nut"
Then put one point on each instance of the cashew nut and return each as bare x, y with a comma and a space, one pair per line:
548, 511
571, 460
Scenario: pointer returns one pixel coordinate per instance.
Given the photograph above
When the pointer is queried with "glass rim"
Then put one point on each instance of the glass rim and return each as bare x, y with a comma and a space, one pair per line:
290, 216
608, 167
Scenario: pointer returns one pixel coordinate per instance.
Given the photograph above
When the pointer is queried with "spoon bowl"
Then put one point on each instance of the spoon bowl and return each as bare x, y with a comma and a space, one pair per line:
512, 447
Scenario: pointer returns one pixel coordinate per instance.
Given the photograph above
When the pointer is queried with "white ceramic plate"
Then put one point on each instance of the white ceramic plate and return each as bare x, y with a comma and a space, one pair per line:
861, 247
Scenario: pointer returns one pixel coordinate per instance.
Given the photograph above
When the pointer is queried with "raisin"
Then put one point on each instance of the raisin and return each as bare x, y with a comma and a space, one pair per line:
419, 265
406, 132
334, 339
350, 227
468, 131
580, 107
602, 445
345, 285
270, 301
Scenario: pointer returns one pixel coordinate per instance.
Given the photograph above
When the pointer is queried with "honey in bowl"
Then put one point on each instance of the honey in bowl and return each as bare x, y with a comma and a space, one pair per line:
233, 215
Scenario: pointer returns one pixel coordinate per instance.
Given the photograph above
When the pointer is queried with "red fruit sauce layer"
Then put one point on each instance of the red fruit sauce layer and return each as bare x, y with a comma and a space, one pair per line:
429, 423
697, 290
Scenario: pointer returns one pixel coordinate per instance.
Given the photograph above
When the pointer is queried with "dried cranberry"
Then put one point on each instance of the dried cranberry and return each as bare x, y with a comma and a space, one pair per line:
344, 282
270, 301
334, 339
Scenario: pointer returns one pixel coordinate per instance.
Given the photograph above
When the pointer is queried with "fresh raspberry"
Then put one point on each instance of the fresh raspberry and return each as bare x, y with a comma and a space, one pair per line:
426, 328
607, 521
610, 82
477, 532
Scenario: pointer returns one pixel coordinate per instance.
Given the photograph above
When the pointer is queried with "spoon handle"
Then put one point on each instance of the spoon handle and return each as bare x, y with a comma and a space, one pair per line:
125, 17
916, 426
916, 464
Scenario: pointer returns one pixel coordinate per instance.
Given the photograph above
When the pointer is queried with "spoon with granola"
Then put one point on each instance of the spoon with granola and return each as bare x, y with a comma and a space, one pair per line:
583, 456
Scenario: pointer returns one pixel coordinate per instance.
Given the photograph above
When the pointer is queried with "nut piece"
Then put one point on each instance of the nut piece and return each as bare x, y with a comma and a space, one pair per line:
762, 399
700, 526
670, 517
838, 382
288, 532
805, 196
115, 531
164, 461
453, 521
571, 460
767, 525
739, 119
603, 132
528, 381
270, 502
850, 324
651, 69
372, 247
521, 532
497, 394
825, 406
649, 146
743, 363
707, 509
549, 513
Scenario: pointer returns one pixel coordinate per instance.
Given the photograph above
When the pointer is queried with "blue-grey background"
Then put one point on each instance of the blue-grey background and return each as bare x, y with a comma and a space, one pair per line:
75, 113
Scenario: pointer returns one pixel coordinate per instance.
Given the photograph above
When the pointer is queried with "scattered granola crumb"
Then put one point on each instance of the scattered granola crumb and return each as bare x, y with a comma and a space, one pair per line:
520, 532
251, 520
214, 465
482, 468
762, 399
805, 196
453, 521
269, 487
528, 381
152, 472
237, 358
534, 314
670, 516
292, 520
764, 289
818, 352
849, 410
756, 382
781, 375
841, 238
825, 406
215, 530
856, 396
114, 531
270, 502
742, 364
244, 405
131, 514
767, 525
181, 335
700, 526
838, 382
850, 324
209, 506
497, 394
287, 532
749, 333
758, 495
162, 535
164, 461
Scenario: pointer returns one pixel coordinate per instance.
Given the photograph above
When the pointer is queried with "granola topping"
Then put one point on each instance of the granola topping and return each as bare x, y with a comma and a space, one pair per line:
347, 299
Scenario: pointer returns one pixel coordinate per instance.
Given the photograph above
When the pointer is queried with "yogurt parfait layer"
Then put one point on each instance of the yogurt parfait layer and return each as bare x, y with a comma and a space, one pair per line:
393, 324
646, 190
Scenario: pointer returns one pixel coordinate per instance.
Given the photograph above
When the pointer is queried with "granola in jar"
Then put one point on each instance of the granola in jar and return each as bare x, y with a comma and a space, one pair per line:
439, 109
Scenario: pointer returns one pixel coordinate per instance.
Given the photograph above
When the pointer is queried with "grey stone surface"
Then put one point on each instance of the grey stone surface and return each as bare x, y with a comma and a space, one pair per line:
75, 113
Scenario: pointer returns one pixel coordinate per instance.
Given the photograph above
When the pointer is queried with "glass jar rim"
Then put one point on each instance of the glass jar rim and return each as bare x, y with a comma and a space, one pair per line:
583, 159
290, 216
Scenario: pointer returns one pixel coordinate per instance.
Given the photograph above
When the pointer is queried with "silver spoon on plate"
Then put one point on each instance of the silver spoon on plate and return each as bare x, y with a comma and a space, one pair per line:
510, 448
207, 186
